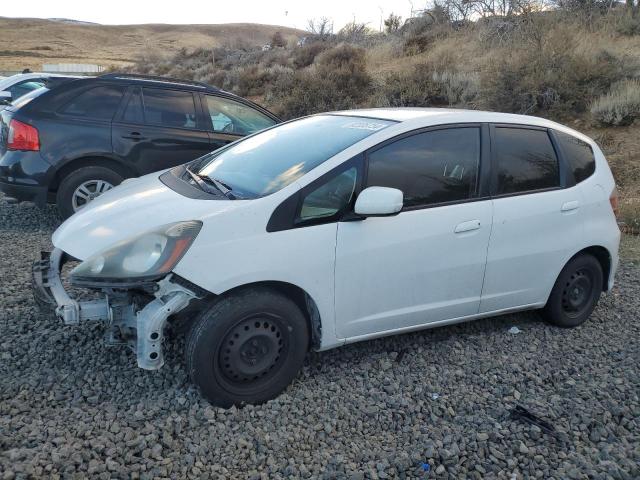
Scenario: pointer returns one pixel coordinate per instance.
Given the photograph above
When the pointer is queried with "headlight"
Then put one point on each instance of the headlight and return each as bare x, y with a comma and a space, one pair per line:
145, 257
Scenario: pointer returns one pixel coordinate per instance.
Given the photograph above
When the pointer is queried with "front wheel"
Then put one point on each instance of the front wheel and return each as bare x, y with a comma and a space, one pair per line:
575, 293
247, 347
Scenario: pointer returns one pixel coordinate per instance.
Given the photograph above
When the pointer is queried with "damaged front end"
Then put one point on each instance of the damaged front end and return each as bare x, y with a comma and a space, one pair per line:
135, 313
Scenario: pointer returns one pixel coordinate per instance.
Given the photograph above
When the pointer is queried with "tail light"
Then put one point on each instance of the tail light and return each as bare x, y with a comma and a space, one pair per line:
22, 137
615, 203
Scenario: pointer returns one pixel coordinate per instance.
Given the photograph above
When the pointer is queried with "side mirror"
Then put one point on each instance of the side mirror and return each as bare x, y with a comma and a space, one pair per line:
379, 202
5, 98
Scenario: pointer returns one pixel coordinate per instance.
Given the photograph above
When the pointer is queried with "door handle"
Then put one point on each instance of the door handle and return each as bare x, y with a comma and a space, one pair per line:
467, 226
570, 206
134, 136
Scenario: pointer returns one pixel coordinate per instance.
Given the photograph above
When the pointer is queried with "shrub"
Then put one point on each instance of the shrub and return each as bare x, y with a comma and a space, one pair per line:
305, 55
621, 106
337, 80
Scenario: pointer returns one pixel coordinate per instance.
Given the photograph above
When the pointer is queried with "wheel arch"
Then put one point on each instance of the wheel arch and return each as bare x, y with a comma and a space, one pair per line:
299, 296
604, 258
90, 161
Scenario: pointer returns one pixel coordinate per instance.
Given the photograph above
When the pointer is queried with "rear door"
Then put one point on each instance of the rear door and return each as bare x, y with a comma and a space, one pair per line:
159, 128
232, 119
536, 221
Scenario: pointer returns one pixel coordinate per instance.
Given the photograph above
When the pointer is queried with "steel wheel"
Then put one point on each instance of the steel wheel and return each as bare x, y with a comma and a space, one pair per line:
88, 191
252, 349
578, 292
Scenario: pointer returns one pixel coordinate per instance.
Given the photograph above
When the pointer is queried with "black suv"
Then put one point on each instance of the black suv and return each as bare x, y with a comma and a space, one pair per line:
80, 139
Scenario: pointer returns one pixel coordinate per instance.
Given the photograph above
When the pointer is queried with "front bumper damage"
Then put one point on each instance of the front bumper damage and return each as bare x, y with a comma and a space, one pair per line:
128, 321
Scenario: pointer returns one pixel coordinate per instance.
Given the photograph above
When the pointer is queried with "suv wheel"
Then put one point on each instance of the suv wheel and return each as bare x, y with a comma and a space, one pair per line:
247, 347
575, 293
83, 185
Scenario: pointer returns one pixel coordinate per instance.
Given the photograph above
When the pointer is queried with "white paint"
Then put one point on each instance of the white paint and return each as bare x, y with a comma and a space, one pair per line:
417, 269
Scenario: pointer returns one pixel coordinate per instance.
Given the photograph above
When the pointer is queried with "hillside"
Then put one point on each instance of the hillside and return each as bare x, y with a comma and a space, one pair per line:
28, 43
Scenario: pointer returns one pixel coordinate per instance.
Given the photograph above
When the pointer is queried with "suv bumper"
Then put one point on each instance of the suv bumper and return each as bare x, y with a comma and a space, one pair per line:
25, 176
140, 327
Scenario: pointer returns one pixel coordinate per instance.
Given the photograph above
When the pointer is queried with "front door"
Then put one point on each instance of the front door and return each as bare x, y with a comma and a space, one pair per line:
159, 129
426, 264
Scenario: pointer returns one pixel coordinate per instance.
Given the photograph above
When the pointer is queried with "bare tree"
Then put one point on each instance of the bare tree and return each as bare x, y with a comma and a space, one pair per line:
392, 23
322, 27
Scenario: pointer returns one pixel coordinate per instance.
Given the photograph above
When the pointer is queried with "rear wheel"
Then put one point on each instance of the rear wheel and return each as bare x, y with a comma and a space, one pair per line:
576, 292
247, 347
82, 186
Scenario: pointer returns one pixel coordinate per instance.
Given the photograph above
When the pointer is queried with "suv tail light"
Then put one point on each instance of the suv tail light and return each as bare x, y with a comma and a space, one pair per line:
22, 137
615, 204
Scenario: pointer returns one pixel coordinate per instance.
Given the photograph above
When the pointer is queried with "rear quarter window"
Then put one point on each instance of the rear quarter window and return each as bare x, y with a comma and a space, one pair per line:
578, 154
98, 102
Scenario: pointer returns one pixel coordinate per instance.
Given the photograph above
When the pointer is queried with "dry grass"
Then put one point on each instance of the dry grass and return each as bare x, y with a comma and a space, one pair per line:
49, 41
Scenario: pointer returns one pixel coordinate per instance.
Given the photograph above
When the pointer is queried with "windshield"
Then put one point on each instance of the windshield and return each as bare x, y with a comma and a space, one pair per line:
269, 161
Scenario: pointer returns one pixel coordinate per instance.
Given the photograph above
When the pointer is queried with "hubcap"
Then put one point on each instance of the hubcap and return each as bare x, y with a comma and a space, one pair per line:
251, 350
576, 295
88, 191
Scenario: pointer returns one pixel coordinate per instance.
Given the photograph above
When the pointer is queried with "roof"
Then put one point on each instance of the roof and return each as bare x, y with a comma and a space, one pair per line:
19, 77
157, 80
433, 116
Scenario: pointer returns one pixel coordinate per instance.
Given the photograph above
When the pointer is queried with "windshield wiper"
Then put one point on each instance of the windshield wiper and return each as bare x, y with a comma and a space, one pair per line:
204, 182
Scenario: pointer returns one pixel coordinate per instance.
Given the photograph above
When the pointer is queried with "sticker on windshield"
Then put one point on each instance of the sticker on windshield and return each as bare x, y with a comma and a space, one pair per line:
365, 125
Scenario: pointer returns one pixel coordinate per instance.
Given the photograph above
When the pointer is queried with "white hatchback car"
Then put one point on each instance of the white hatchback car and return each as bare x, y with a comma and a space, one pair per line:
337, 228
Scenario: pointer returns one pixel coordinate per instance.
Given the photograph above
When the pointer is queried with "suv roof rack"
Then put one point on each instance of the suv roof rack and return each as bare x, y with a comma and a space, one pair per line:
157, 79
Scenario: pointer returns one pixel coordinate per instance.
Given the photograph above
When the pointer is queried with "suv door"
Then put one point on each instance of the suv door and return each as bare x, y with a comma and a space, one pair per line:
426, 264
536, 222
231, 119
159, 128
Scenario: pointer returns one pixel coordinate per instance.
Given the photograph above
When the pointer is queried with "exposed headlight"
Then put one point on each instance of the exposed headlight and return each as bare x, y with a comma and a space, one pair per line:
145, 257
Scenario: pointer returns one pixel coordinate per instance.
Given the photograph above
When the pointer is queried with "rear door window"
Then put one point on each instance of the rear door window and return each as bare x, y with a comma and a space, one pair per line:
229, 116
133, 110
433, 167
578, 154
525, 161
99, 103
169, 108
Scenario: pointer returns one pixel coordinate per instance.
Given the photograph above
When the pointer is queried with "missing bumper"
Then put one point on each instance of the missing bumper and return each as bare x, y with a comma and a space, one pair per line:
129, 320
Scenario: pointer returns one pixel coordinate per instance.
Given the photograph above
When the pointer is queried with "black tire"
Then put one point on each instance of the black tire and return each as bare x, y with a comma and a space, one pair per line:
575, 293
247, 347
69, 184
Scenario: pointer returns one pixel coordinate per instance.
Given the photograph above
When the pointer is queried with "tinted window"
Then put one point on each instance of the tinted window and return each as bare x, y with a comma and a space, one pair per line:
228, 116
169, 108
329, 198
431, 167
98, 102
578, 154
525, 160
133, 110
269, 161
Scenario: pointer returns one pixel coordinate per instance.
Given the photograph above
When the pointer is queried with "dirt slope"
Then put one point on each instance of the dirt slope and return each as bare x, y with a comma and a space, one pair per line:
28, 43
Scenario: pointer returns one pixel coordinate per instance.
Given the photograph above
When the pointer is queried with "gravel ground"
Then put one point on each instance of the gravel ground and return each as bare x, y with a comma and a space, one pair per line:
392, 408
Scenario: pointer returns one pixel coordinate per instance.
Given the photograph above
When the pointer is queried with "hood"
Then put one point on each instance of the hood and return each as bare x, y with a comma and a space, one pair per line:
134, 207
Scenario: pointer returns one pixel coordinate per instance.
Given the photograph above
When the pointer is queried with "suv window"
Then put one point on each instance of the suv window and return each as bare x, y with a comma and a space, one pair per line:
169, 108
99, 102
133, 111
329, 198
431, 167
579, 155
525, 160
228, 116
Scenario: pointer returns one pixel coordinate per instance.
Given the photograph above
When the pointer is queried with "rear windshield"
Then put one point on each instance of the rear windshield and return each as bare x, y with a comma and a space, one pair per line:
270, 160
